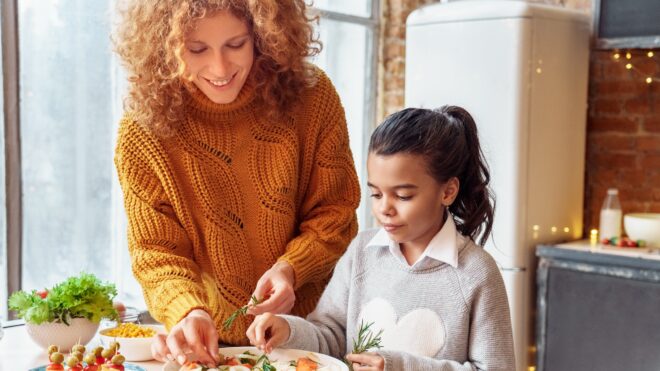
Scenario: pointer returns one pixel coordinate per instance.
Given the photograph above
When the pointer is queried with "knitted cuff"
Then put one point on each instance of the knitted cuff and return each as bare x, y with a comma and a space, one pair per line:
182, 304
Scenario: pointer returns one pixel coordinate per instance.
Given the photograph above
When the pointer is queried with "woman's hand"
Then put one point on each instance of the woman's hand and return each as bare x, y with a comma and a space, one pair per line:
366, 361
194, 335
268, 331
276, 286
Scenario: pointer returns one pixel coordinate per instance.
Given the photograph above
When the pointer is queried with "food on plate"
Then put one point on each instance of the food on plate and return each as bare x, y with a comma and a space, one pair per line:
251, 362
97, 354
115, 364
98, 359
108, 353
78, 348
74, 363
56, 358
306, 364
52, 349
78, 355
130, 330
90, 361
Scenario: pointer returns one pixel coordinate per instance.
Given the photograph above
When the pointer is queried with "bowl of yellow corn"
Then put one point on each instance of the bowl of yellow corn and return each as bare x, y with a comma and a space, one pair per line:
134, 339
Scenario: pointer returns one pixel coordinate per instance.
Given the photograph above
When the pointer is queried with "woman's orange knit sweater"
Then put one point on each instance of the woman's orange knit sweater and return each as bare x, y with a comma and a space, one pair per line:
215, 205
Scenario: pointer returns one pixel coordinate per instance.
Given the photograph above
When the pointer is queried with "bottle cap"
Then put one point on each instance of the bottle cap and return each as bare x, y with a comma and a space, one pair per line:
612, 191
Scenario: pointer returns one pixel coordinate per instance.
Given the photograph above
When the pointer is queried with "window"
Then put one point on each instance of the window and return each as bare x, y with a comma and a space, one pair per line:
348, 30
70, 102
68, 90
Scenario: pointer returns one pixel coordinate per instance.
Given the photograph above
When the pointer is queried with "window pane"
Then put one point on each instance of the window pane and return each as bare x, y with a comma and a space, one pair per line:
66, 139
346, 59
353, 7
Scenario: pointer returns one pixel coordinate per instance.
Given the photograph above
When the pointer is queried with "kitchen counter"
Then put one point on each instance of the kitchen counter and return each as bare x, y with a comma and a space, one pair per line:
19, 352
597, 307
582, 249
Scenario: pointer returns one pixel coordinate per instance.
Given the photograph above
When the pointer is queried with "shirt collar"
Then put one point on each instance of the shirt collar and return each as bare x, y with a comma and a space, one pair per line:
442, 246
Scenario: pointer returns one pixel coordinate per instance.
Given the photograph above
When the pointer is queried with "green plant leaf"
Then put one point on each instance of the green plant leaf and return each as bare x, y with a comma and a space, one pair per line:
83, 296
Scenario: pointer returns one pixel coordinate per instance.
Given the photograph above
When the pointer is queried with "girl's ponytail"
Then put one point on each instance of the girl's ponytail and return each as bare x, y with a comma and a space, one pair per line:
475, 204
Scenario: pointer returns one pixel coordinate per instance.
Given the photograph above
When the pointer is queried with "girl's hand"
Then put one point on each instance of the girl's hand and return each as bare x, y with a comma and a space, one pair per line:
276, 286
268, 331
366, 361
195, 333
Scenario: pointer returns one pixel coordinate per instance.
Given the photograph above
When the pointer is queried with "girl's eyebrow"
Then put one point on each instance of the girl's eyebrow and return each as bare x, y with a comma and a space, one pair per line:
400, 186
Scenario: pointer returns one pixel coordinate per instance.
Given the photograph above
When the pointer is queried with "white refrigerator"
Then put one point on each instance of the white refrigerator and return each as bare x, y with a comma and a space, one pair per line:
521, 70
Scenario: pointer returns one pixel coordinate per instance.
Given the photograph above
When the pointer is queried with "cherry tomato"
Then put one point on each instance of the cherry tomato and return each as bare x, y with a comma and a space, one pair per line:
42, 294
119, 306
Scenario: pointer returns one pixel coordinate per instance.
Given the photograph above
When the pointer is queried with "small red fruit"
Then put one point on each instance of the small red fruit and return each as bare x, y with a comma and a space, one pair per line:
119, 306
42, 294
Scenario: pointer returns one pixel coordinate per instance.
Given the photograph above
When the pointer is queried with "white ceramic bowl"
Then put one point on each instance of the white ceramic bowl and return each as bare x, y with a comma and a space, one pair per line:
134, 349
80, 330
643, 226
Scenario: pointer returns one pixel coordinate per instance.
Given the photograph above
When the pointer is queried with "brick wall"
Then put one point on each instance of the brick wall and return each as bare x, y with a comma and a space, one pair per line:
623, 125
393, 53
623, 134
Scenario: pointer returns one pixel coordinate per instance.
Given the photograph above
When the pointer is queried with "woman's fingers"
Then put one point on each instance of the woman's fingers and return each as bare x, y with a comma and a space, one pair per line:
176, 342
159, 349
194, 335
276, 284
281, 301
212, 344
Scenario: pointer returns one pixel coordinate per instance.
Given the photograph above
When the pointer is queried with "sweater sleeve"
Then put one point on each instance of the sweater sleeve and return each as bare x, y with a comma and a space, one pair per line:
396, 360
328, 219
160, 250
324, 330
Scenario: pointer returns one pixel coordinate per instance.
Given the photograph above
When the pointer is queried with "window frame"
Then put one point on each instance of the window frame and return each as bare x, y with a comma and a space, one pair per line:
12, 145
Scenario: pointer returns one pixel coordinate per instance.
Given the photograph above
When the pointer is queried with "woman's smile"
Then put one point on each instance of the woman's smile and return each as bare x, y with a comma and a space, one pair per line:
221, 83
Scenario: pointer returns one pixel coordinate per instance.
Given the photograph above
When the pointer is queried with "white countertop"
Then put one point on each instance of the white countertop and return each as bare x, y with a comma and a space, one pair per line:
598, 248
19, 352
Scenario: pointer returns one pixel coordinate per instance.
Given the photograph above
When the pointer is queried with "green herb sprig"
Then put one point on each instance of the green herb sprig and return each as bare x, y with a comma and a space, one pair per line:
242, 311
366, 340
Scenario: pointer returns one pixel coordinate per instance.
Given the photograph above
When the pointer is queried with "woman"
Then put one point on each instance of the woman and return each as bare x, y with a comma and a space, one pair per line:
234, 161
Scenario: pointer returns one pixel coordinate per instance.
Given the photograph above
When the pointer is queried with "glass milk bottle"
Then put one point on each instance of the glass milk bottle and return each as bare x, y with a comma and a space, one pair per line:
610, 216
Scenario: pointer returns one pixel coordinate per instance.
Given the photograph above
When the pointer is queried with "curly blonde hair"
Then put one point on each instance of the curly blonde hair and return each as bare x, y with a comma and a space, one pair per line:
150, 40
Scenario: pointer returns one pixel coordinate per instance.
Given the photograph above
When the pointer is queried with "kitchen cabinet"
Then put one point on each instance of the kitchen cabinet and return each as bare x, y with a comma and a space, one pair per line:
598, 308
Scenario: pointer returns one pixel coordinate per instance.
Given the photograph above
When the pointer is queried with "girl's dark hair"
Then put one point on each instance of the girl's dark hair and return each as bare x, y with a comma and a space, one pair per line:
447, 137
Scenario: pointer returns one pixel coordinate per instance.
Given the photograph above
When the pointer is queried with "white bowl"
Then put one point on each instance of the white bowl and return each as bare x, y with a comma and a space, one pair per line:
80, 330
133, 349
643, 226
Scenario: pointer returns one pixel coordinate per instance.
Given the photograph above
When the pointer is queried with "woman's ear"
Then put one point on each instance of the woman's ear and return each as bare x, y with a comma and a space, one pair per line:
450, 191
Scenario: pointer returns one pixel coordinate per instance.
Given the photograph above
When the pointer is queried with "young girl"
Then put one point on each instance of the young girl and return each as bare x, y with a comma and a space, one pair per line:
438, 296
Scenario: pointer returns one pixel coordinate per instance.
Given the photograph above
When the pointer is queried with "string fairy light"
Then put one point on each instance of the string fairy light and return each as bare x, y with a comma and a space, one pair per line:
630, 64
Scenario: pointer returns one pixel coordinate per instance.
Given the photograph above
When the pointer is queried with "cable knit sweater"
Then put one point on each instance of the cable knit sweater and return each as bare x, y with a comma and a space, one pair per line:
214, 206
433, 316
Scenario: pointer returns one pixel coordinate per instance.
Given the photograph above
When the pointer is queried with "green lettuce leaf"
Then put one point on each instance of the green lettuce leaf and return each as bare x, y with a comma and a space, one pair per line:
84, 296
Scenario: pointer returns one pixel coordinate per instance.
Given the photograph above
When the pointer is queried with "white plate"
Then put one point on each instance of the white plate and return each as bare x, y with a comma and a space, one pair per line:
332, 364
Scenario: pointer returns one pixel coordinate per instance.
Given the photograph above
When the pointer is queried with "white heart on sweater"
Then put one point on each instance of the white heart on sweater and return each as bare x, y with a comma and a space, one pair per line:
420, 332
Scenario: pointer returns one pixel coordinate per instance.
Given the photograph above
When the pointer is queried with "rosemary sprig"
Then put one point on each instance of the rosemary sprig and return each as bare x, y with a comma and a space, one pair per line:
366, 340
240, 312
